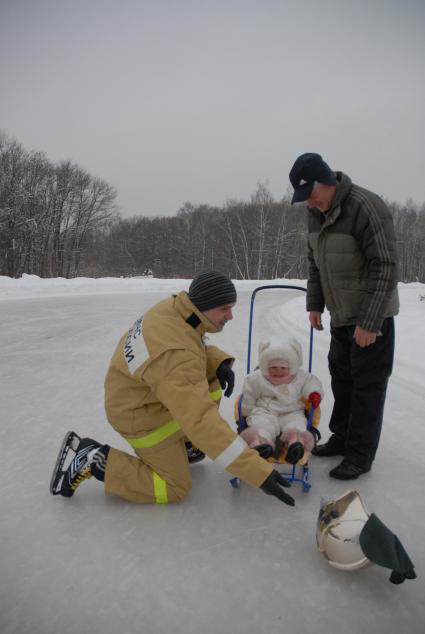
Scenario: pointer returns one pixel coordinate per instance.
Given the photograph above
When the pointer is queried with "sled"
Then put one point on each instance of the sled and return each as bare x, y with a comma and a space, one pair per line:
299, 472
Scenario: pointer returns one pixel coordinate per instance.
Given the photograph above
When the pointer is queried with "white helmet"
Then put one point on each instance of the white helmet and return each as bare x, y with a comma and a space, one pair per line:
339, 526
350, 538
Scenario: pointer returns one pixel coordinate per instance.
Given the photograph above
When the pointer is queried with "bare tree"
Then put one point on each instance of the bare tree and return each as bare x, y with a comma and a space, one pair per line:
58, 220
47, 212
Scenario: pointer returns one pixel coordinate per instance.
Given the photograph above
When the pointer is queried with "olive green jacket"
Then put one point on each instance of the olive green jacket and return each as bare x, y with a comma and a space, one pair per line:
353, 258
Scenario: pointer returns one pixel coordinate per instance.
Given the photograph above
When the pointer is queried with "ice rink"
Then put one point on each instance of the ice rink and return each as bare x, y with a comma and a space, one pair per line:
225, 560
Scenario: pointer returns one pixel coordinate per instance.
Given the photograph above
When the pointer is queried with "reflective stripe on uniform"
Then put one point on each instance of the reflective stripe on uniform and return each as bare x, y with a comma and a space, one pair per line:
156, 436
160, 489
232, 452
216, 395
163, 432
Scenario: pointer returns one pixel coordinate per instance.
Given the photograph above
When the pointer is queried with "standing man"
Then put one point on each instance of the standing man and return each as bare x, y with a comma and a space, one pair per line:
162, 387
353, 272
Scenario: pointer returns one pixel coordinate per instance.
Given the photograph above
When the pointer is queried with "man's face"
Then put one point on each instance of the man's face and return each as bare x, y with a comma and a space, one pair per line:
219, 316
321, 197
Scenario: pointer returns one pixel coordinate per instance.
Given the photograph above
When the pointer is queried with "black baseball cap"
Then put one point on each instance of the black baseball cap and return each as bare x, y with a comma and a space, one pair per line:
308, 169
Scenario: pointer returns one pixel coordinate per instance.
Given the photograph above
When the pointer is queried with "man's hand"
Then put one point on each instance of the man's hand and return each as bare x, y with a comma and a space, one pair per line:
226, 376
273, 486
315, 318
364, 338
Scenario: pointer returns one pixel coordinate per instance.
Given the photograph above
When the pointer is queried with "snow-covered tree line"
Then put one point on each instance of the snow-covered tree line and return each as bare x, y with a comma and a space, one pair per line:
260, 239
48, 212
57, 220
409, 222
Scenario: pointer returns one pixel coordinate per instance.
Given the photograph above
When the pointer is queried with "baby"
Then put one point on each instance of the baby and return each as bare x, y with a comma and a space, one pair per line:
273, 400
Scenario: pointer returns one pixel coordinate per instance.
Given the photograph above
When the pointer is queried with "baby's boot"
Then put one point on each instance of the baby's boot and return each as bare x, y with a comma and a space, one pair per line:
257, 442
307, 439
294, 452
295, 447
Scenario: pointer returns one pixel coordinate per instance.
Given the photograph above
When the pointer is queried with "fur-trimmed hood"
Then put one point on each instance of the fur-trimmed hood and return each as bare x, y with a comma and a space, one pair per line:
286, 348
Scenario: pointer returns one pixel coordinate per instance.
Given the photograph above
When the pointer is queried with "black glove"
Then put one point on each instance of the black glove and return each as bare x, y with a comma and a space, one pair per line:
226, 376
272, 486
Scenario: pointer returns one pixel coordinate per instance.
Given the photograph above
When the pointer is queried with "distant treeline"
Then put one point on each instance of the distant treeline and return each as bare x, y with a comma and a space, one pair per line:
49, 214
58, 220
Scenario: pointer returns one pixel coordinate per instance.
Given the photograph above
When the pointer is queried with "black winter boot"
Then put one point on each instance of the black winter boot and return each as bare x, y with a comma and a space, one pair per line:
193, 453
335, 446
265, 450
294, 452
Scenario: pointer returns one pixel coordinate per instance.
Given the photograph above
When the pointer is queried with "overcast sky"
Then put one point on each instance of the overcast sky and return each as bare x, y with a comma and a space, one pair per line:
200, 100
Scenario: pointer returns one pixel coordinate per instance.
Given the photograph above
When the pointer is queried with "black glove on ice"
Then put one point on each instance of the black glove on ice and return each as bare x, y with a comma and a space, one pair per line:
272, 486
226, 376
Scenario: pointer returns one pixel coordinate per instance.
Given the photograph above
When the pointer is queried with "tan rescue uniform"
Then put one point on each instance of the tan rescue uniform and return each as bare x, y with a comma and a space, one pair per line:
161, 386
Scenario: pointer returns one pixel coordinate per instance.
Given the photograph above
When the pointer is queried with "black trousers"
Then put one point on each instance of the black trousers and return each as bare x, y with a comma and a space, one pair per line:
359, 384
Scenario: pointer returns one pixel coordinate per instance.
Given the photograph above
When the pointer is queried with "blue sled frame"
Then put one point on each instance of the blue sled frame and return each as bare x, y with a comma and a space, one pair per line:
292, 475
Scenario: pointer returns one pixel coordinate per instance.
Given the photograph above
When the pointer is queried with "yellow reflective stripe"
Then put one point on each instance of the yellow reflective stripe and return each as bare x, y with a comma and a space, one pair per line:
160, 489
215, 395
163, 432
156, 436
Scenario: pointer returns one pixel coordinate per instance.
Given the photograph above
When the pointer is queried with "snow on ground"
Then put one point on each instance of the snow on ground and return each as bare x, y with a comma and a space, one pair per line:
225, 560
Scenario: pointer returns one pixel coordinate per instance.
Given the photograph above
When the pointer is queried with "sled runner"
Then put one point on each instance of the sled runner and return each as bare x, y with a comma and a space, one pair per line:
300, 471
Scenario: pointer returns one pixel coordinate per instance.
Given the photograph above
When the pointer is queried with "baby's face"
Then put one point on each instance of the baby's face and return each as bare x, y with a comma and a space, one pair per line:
278, 372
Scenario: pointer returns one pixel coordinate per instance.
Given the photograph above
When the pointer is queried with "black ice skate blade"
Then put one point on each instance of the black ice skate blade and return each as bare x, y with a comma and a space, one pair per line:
71, 441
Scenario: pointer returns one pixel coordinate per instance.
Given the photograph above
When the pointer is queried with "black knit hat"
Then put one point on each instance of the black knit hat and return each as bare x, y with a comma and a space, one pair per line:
211, 289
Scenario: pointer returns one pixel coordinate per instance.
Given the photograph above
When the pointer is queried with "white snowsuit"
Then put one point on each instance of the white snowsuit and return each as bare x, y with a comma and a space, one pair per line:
273, 409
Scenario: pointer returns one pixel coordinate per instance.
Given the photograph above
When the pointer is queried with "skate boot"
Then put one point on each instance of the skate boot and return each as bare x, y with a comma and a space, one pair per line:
89, 459
193, 453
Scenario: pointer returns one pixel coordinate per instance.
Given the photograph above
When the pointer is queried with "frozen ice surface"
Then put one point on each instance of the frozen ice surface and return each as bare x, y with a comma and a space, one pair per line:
224, 560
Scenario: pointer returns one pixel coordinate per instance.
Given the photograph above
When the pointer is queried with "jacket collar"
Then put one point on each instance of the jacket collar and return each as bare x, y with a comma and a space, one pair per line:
343, 187
186, 309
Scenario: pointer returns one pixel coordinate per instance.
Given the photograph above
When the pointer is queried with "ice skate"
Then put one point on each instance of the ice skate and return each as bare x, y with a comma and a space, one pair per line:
66, 479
